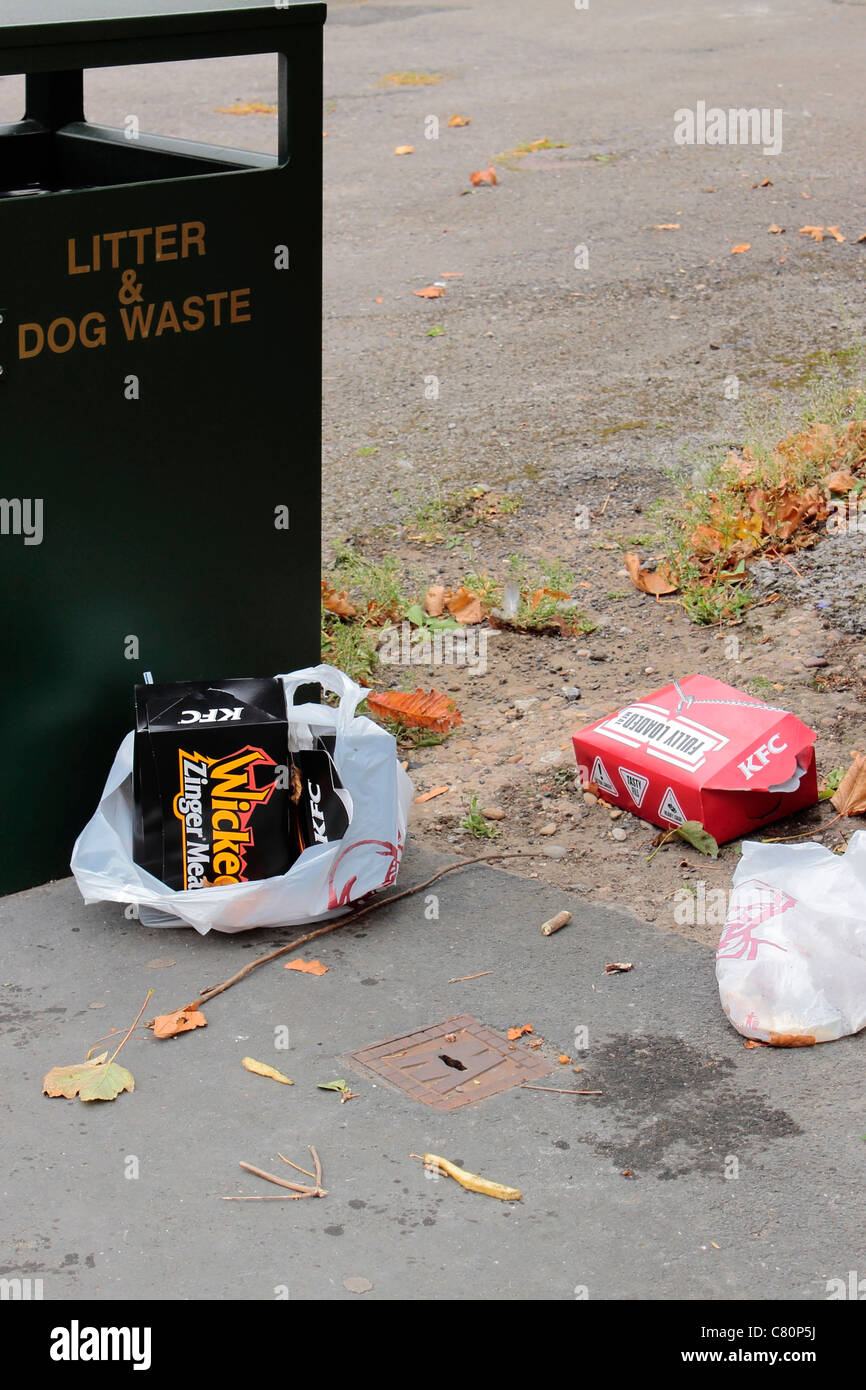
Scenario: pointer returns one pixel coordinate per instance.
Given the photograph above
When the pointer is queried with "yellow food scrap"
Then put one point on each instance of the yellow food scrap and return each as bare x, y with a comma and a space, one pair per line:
262, 1069
471, 1181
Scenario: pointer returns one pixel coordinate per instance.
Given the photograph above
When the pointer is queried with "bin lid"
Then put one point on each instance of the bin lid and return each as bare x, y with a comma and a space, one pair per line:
33, 13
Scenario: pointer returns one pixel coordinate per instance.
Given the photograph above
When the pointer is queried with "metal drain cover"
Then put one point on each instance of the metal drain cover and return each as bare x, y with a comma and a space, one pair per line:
449, 1064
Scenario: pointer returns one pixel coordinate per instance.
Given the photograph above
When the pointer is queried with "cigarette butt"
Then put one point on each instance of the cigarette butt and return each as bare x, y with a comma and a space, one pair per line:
555, 923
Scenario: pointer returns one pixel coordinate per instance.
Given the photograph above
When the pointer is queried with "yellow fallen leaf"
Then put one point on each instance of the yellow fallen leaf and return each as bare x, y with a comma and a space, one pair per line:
459, 120
835, 233
471, 1181
816, 233
750, 528
743, 246
404, 149
777, 231
248, 108
666, 227
262, 1069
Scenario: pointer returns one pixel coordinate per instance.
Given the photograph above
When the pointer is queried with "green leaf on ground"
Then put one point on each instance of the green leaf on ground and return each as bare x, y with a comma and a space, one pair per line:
96, 1080
693, 832
831, 783
418, 618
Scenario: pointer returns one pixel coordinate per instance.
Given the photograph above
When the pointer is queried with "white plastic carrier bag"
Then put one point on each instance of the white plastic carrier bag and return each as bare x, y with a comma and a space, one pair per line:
791, 963
323, 882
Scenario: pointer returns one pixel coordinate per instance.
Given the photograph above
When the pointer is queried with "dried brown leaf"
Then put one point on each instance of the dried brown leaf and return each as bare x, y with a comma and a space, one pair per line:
649, 581
337, 603
434, 600
307, 967
465, 606
849, 798
181, 1021
420, 709
428, 796
840, 481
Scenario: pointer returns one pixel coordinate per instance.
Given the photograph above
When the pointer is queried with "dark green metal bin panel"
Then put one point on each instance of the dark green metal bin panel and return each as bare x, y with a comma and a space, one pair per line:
163, 544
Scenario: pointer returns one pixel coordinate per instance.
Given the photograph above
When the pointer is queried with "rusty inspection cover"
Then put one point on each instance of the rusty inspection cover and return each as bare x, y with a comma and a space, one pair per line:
449, 1064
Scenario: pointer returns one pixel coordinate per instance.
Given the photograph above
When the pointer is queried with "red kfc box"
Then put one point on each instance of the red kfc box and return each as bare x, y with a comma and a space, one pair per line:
701, 750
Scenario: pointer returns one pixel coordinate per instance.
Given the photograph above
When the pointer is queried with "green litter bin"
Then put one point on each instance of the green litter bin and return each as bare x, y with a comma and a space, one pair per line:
160, 389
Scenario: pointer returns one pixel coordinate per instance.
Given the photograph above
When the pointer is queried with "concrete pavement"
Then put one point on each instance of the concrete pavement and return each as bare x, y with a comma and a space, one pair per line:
121, 1200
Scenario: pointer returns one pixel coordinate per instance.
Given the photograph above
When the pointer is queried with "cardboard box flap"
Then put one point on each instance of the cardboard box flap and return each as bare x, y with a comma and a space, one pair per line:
175, 705
772, 759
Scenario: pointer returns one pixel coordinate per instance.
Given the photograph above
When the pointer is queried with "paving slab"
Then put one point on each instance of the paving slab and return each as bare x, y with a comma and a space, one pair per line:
744, 1165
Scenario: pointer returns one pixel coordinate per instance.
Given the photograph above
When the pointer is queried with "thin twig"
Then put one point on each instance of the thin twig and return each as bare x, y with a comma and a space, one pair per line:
132, 1029
559, 1090
775, 555
289, 1197
281, 1182
294, 1165
212, 992
109, 1037
666, 838
460, 978
816, 830
318, 1169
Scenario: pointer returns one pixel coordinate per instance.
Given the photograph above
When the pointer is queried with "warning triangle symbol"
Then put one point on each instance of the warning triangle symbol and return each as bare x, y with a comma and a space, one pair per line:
670, 808
635, 784
599, 776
